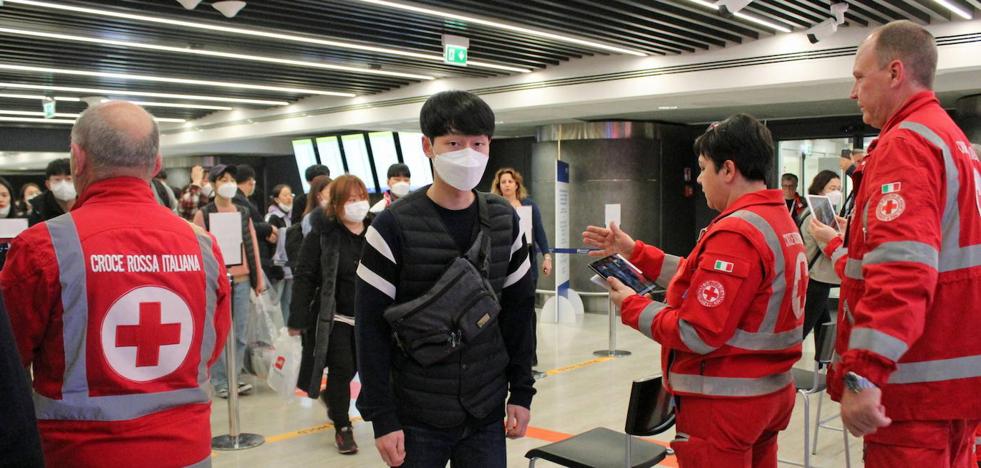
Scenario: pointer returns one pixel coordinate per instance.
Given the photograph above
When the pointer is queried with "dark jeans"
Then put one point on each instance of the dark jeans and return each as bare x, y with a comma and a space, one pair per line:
340, 371
816, 308
468, 446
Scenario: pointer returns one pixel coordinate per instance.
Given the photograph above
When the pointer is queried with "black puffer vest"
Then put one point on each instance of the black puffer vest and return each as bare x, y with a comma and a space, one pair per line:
471, 381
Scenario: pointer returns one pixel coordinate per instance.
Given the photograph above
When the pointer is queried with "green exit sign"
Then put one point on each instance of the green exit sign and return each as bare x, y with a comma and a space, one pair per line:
455, 55
48, 104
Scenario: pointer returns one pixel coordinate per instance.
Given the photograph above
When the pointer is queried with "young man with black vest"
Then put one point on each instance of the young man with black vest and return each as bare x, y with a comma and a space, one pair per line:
450, 410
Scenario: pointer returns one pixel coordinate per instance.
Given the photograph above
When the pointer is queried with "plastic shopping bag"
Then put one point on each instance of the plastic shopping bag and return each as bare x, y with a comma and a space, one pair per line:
285, 369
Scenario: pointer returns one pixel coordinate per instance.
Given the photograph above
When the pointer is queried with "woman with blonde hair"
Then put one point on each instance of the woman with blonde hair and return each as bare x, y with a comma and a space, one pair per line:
509, 184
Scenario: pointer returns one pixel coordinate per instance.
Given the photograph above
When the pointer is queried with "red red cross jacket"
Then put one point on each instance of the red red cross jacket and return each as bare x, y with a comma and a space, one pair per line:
121, 307
911, 273
732, 324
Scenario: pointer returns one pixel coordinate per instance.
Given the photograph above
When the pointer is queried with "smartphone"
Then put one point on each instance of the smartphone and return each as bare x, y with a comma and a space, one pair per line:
823, 210
619, 268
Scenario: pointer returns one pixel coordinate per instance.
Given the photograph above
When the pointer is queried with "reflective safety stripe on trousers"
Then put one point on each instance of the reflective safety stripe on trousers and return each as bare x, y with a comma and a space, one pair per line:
766, 339
76, 403
728, 386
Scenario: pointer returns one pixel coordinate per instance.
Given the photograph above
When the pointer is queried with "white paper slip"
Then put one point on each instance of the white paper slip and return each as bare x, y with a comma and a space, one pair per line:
227, 229
11, 228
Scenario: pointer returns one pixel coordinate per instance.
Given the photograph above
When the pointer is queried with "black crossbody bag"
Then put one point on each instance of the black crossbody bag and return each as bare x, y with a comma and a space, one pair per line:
456, 310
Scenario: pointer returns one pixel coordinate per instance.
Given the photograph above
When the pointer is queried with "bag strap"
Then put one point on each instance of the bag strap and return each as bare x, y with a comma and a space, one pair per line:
479, 251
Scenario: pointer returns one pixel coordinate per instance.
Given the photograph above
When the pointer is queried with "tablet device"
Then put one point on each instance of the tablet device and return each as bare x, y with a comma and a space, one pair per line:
823, 210
619, 268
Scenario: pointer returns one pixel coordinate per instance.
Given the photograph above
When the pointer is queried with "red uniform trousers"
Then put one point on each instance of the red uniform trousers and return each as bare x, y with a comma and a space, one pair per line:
934, 444
731, 432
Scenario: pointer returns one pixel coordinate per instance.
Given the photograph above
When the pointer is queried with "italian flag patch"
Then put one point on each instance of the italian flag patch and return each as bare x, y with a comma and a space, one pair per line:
723, 266
891, 188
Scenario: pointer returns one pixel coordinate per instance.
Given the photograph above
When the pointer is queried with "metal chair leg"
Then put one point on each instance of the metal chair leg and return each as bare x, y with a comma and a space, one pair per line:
817, 425
531, 462
626, 451
807, 438
848, 457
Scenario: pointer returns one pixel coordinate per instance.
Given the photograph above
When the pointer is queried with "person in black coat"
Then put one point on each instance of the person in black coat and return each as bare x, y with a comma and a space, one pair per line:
300, 202
265, 232
20, 442
322, 309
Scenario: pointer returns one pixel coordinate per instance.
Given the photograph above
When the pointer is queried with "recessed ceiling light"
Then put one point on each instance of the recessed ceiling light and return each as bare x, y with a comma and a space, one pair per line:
214, 27
179, 105
38, 96
508, 27
229, 8
954, 8
74, 116
737, 14
30, 120
159, 79
116, 92
667, 107
212, 53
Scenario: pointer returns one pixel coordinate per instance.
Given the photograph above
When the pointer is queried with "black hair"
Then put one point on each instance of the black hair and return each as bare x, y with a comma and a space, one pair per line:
62, 167
741, 139
399, 170
790, 177
275, 193
10, 188
821, 180
456, 112
316, 170
244, 172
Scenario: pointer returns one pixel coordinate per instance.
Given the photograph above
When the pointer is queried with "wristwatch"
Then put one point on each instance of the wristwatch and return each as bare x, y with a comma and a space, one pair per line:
857, 383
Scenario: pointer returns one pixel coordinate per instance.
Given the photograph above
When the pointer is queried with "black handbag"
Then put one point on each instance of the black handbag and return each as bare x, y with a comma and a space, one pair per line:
456, 310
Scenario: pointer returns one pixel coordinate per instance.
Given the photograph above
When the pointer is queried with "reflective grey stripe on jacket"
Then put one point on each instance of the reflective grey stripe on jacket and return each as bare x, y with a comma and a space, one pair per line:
206, 463
939, 370
766, 339
668, 269
880, 343
952, 255
646, 319
76, 404
729, 386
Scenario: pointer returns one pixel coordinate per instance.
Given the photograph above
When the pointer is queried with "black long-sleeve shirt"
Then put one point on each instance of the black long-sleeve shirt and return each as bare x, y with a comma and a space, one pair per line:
378, 279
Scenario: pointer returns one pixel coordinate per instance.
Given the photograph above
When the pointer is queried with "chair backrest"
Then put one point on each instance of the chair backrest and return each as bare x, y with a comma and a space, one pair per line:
826, 347
650, 410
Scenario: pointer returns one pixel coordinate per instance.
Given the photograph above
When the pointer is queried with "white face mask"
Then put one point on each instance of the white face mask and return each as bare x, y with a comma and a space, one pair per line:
835, 196
206, 190
462, 168
4, 211
285, 208
64, 190
356, 211
400, 189
33, 196
228, 190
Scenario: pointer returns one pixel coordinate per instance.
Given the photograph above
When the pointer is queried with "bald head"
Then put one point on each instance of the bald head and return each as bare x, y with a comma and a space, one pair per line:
119, 138
909, 43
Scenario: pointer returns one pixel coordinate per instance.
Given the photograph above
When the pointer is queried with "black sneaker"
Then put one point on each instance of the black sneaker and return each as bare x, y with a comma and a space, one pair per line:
344, 438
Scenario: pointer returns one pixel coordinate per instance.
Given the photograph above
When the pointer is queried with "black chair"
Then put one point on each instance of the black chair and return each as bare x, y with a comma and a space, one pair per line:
650, 412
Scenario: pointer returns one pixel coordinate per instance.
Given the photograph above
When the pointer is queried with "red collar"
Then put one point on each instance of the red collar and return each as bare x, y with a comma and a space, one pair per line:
913, 104
761, 197
116, 190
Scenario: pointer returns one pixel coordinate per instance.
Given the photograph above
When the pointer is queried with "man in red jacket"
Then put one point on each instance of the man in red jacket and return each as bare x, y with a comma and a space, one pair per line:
121, 306
910, 368
731, 327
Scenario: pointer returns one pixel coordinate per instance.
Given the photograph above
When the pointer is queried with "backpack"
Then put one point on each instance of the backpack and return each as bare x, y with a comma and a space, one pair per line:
294, 240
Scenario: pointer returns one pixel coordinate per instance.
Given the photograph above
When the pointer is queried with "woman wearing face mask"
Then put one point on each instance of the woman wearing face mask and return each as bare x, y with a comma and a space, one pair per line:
323, 302
278, 215
316, 201
247, 274
7, 206
28, 192
822, 270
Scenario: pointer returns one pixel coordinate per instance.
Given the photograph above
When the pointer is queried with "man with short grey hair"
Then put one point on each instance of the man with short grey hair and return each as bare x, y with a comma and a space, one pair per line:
910, 358
121, 308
